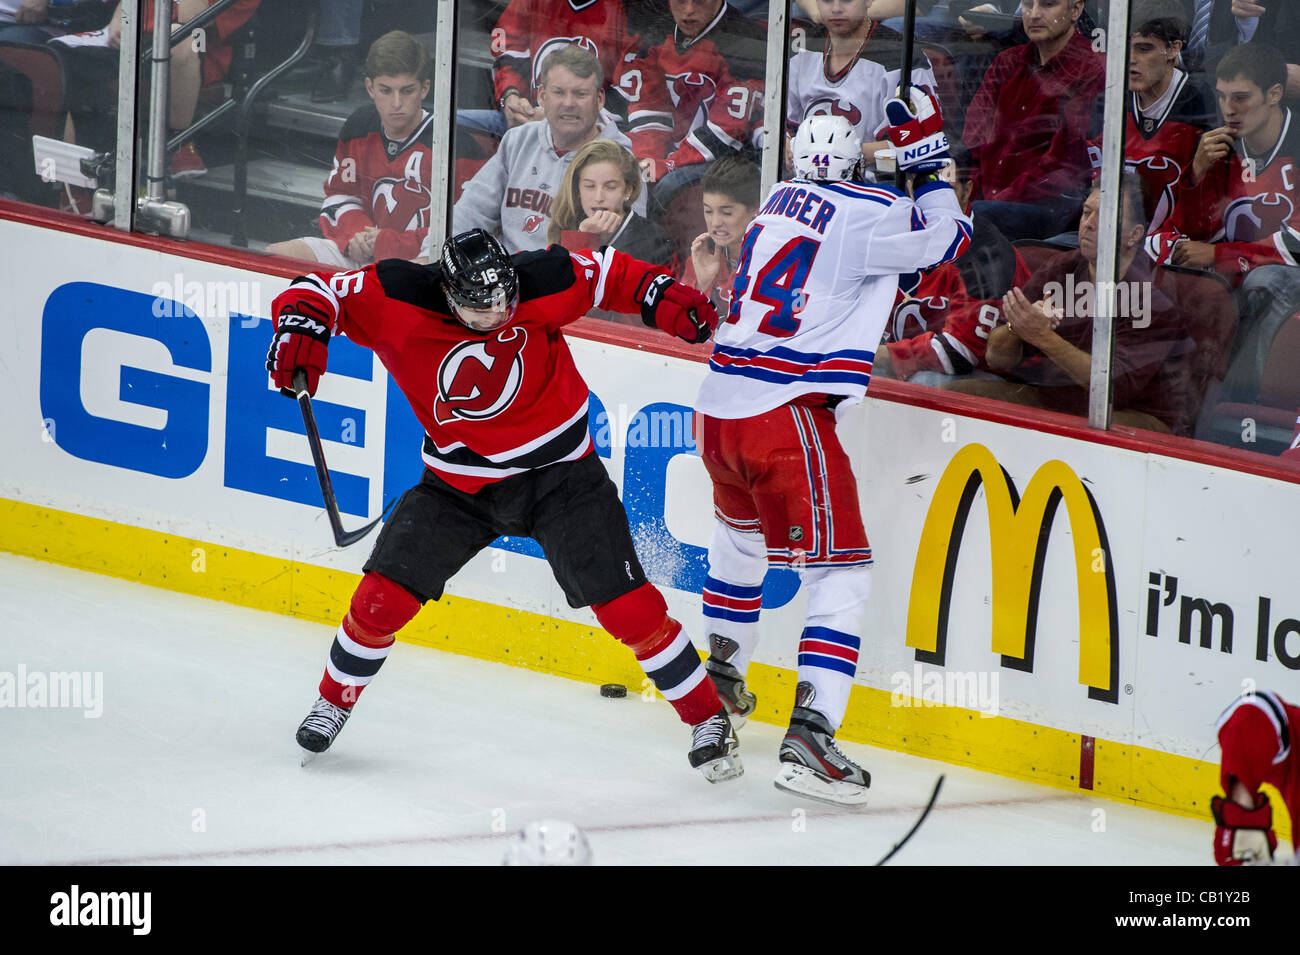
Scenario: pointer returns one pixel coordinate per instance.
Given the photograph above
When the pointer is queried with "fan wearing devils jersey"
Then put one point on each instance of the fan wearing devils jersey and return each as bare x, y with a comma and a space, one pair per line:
1244, 209
475, 344
377, 194
850, 67
941, 324
1257, 744
529, 29
817, 274
695, 89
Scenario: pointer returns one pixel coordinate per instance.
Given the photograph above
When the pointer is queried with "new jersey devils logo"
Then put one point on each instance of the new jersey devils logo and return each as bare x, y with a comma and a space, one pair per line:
835, 107
533, 223
913, 316
1252, 218
478, 379
691, 87
401, 203
1160, 174
554, 43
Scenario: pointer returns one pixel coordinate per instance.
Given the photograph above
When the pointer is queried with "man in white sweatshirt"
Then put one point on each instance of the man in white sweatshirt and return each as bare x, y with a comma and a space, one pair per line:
511, 195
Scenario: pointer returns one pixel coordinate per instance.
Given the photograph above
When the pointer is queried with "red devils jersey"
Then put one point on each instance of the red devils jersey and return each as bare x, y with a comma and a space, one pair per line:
1247, 205
492, 405
530, 29
1257, 740
695, 100
378, 182
1160, 148
943, 324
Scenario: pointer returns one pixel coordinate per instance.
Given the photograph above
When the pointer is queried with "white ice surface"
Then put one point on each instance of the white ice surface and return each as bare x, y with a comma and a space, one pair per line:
443, 759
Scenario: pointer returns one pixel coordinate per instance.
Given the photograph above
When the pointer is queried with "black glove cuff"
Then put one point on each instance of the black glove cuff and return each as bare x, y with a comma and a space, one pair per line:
313, 326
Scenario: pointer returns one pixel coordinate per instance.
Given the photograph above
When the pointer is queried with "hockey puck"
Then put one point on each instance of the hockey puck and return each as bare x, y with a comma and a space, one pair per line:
615, 691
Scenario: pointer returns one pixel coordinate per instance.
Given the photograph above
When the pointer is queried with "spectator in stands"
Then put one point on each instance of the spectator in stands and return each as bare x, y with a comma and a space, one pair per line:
941, 324
1167, 110
1245, 208
694, 91
593, 207
1218, 26
338, 41
90, 65
525, 34
1044, 346
377, 195
28, 21
850, 67
1028, 124
732, 191
511, 195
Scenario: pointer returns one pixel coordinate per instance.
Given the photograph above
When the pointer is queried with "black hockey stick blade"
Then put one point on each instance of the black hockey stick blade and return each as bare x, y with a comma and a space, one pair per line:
905, 77
342, 538
934, 796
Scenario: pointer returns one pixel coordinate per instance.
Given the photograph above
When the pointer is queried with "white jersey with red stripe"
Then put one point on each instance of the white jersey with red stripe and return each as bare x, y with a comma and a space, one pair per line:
815, 284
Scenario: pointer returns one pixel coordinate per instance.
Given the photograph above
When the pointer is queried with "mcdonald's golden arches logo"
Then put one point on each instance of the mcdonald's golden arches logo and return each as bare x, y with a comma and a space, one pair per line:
1019, 532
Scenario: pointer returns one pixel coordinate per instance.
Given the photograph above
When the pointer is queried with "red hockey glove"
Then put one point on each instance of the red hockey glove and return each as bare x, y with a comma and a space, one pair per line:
916, 132
302, 334
1243, 836
677, 309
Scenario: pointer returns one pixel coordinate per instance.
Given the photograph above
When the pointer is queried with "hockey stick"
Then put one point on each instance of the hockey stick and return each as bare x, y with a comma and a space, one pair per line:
905, 79
342, 538
934, 796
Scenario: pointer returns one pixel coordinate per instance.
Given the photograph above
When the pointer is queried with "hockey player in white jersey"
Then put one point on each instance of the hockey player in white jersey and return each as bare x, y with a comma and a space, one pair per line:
815, 283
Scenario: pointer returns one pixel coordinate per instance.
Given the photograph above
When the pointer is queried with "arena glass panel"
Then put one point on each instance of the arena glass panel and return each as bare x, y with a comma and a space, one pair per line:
60, 138
1204, 322
301, 128
590, 124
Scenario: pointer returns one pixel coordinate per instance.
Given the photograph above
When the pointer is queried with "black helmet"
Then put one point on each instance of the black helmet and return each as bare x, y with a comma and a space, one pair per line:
477, 274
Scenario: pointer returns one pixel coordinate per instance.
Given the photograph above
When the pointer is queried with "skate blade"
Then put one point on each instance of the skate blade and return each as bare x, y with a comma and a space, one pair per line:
801, 781
721, 769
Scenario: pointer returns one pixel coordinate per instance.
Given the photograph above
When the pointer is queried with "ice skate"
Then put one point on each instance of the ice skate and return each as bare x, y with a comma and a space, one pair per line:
738, 701
812, 765
715, 751
322, 724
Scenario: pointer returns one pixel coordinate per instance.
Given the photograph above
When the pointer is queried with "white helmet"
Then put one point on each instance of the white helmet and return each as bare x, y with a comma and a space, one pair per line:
548, 842
827, 148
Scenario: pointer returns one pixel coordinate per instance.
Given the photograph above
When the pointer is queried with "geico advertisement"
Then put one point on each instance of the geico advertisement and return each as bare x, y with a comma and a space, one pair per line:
145, 400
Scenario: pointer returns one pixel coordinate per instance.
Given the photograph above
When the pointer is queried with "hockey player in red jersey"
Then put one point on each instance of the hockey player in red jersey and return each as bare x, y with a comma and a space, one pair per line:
1258, 745
475, 344
817, 274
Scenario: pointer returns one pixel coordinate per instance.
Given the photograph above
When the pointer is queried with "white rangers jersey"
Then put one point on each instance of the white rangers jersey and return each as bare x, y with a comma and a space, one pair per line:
858, 92
815, 285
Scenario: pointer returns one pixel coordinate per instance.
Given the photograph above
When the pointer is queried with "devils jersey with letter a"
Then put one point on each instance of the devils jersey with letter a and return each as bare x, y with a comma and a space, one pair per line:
496, 404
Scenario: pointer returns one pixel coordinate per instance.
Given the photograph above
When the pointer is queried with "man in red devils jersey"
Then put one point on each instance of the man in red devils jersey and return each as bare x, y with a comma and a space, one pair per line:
507, 450
377, 195
1242, 212
1257, 743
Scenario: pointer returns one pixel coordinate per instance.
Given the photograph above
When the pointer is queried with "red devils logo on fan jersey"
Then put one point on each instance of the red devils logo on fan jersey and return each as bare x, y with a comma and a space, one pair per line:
554, 43
1252, 218
532, 223
834, 107
401, 204
1160, 173
478, 379
691, 87
913, 316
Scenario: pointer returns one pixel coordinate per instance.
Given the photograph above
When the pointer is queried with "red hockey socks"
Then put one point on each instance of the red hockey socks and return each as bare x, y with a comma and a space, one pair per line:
640, 620
379, 609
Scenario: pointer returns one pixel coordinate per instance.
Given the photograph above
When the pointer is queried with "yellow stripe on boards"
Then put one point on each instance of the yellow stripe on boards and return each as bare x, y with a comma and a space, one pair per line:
474, 628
